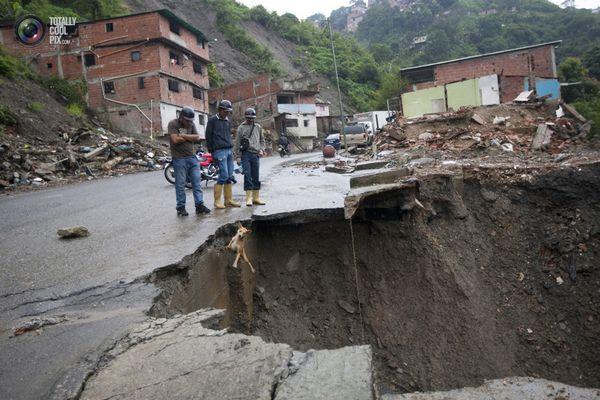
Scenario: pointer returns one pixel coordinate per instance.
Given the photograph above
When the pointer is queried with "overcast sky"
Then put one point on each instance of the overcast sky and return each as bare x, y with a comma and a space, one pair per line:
305, 8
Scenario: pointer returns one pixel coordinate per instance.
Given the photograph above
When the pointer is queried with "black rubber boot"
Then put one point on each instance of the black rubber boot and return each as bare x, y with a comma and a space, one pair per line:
181, 212
202, 209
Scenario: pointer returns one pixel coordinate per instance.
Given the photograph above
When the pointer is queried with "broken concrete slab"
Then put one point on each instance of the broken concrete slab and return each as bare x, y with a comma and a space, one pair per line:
478, 119
182, 358
542, 138
371, 165
507, 389
380, 178
343, 374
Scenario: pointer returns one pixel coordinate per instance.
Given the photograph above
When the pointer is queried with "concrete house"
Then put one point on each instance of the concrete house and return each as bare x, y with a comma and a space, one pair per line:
484, 79
140, 69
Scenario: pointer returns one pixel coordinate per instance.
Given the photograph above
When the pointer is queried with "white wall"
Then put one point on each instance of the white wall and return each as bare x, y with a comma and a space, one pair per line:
168, 112
301, 130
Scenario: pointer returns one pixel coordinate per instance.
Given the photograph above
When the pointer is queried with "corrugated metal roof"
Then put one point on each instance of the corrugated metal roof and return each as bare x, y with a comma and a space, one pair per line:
555, 43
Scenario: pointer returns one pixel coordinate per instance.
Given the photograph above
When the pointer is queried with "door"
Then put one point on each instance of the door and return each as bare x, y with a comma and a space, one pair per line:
489, 89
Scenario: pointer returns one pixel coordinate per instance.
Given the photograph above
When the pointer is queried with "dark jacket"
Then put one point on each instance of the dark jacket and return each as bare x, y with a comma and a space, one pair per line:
218, 134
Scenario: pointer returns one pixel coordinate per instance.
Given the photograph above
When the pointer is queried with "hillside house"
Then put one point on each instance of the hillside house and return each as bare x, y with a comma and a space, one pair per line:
140, 69
484, 79
281, 105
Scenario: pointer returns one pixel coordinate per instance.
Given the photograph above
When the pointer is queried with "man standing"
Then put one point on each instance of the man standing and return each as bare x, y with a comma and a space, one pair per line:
218, 141
250, 142
182, 136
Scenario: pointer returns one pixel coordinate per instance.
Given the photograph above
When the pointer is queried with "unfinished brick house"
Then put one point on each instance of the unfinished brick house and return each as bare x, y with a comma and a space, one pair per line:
485, 79
140, 69
281, 105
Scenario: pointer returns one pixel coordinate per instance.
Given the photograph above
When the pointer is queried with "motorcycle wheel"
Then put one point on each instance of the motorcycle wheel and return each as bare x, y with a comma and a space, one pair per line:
170, 173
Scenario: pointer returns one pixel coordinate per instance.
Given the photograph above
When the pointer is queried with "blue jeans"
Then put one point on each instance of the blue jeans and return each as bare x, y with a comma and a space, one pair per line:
187, 168
226, 168
251, 167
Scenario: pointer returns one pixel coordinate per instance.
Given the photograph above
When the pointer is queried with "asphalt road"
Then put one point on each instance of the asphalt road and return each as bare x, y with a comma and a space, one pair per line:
133, 225
134, 230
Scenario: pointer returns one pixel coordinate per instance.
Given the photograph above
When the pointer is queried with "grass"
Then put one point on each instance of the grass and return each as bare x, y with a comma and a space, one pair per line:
75, 110
35, 107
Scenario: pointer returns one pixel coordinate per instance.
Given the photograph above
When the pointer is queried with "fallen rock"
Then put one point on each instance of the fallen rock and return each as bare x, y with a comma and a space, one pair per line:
346, 306
426, 137
73, 232
542, 138
478, 119
37, 323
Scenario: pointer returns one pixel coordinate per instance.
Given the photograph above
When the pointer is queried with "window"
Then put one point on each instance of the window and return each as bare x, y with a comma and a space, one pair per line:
306, 123
136, 56
198, 93
291, 123
141, 83
89, 60
198, 68
109, 87
79, 59
200, 42
122, 113
110, 27
201, 119
285, 99
173, 85
49, 65
174, 58
174, 27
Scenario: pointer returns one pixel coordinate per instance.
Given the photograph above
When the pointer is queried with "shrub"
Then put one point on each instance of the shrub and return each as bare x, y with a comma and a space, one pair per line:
35, 107
7, 118
75, 110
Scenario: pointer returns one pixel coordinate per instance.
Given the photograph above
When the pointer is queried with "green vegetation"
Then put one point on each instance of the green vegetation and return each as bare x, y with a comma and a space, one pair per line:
214, 77
75, 110
35, 107
73, 91
12, 67
7, 118
457, 28
83, 9
584, 96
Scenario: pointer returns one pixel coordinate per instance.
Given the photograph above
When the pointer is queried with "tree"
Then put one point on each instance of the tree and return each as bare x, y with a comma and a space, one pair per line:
591, 60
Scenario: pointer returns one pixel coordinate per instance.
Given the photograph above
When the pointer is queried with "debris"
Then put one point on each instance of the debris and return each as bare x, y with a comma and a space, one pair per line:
521, 277
507, 147
542, 138
339, 170
96, 152
500, 120
560, 112
559, 280
112, 163
37, 323
73, 232
525, 96
478, 119
529, 330
571, 110
426, 137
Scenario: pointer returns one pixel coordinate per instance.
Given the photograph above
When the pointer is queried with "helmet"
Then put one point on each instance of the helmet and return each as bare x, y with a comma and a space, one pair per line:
250, 113
188, 113
225, 105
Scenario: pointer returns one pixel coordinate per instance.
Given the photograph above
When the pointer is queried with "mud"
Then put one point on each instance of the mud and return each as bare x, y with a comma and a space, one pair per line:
498, 275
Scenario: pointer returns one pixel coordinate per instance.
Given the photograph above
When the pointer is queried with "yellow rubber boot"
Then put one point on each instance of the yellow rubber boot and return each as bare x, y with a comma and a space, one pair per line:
249, 198
218, 194
256, 198
229, 202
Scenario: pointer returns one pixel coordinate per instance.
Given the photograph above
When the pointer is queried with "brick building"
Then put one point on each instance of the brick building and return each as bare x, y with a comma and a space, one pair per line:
481, 80
140, 69
281, 105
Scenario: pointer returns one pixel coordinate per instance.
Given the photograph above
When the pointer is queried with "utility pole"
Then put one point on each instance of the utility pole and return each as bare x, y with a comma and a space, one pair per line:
337, 78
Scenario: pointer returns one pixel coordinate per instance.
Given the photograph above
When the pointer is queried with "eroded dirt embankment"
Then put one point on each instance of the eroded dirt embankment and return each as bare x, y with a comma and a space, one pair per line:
498, 275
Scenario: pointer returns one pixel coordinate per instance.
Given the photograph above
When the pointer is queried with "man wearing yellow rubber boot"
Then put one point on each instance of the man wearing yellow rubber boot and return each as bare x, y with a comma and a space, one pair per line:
250, 145
219, 143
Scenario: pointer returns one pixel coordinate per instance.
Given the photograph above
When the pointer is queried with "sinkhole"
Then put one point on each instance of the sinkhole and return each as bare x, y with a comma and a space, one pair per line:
494, 273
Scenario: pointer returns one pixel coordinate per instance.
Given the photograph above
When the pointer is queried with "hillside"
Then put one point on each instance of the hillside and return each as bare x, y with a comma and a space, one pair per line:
456, 28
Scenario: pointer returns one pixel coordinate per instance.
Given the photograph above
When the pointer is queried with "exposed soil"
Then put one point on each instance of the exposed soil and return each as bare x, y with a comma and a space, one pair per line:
496, 277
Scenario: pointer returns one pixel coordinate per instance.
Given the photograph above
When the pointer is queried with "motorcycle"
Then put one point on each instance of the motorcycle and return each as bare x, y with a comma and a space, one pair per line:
283, 151
209, 168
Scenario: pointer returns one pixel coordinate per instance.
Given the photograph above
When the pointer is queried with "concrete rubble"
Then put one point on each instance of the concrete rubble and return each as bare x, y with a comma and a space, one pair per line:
510, 388
182, 357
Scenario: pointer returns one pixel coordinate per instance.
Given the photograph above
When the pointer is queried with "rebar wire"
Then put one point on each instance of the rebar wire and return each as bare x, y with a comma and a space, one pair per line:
362, 325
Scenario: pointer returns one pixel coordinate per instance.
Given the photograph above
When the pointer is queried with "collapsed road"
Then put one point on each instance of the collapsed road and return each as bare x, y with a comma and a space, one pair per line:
443, 279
